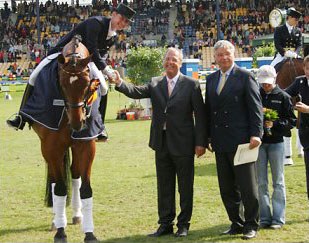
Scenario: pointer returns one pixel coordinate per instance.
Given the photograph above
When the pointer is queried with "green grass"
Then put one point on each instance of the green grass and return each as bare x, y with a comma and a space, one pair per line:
124, 187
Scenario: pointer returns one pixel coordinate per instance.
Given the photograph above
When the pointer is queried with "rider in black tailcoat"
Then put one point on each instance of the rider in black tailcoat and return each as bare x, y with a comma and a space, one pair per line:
98, 35
287, 38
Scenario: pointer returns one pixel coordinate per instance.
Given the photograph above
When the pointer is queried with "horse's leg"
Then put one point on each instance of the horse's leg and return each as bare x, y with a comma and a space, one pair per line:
75, 200
54, 153
300, 149
84, 152
288, 150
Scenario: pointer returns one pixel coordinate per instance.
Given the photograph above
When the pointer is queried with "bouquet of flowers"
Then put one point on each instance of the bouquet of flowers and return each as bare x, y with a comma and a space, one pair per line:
269, 115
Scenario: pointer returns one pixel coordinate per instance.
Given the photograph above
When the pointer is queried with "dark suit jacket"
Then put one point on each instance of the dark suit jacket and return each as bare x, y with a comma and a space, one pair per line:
183, 131
93, 31
236, 114
300, 86
284, 39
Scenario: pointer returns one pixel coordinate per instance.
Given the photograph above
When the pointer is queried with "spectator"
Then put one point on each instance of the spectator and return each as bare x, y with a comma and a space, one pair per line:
272, 149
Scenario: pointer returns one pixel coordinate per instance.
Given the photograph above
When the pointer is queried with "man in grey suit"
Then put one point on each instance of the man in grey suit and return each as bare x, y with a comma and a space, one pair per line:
177, 133
234, 114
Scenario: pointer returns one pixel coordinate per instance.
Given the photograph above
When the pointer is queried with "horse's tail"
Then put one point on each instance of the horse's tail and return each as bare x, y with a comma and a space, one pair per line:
67, 180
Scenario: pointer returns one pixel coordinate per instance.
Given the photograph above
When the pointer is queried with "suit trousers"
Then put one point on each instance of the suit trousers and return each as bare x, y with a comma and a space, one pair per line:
168, 167
238, 184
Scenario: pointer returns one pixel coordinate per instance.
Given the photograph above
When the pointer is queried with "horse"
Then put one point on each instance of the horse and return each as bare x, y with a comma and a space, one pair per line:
77, 89
290, 69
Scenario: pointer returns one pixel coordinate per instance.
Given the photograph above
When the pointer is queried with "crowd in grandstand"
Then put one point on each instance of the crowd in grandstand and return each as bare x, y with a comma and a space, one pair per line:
194, 25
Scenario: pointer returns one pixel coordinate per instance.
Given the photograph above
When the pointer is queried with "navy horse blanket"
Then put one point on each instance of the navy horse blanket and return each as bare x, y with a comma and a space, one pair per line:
46, 105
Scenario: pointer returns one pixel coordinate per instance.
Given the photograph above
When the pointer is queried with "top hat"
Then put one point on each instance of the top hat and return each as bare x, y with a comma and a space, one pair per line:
293, 13
125, 11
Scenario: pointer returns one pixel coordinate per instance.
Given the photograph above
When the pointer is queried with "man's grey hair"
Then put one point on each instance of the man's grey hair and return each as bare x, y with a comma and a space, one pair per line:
224, 44
175, 50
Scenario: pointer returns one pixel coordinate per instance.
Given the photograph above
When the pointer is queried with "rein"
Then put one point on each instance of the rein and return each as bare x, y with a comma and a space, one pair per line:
292, 64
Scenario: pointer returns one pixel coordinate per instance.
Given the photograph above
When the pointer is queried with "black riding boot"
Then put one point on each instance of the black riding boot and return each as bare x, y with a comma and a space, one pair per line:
19, 121
102, 109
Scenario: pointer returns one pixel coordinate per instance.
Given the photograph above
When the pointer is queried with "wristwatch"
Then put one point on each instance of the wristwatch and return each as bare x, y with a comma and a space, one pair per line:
276, 17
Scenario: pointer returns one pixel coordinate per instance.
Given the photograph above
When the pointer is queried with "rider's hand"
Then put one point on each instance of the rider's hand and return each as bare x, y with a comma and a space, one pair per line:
109, 72
290, 54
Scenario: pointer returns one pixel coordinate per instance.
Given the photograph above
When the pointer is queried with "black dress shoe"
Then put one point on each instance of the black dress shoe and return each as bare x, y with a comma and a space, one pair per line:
162, 230
16, 123
103, 137
233, 231
182, 232
249, 234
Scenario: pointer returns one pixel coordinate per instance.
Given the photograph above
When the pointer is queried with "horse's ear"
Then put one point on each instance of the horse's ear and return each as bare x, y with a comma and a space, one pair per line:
61, 59
85, 61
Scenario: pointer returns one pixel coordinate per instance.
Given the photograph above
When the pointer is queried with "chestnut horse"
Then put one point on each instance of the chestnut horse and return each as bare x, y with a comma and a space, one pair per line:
290, 69
76, 87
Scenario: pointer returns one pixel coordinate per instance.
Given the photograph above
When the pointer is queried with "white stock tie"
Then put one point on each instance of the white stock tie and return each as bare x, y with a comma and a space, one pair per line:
221, 83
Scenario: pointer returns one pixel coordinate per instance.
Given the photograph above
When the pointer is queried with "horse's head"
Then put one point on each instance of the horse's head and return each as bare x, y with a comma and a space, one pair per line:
290, 69
74, 80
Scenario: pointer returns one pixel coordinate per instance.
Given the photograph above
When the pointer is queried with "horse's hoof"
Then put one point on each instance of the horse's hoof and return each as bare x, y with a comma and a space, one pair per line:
76, 220
53, 227
60, 236
90, 238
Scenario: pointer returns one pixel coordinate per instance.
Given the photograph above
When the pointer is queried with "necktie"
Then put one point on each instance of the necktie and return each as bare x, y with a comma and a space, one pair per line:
170, 86
222, 83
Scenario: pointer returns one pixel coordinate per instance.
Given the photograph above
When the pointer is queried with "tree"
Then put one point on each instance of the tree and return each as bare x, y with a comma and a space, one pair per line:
143, 63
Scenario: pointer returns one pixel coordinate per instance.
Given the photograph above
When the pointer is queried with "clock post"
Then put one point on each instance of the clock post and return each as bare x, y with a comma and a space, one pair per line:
277, 17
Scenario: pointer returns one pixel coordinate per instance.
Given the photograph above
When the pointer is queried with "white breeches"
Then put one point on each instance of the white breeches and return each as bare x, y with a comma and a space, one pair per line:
277, 59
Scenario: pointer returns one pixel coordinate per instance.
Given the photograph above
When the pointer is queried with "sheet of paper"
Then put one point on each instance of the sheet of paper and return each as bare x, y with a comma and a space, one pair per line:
245, 155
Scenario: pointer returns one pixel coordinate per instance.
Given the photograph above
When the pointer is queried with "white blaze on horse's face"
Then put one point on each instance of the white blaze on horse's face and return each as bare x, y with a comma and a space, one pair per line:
73, 79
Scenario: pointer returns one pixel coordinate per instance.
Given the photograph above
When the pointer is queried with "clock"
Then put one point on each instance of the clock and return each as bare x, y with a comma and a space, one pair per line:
276, 17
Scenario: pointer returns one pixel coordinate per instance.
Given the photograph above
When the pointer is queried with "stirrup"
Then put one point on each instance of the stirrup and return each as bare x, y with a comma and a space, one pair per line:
20, 125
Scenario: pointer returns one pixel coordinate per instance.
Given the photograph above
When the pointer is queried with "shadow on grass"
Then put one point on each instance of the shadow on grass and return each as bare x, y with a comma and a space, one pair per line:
211, 234
9, 231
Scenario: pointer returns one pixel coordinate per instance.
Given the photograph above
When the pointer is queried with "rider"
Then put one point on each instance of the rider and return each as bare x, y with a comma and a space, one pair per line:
287, 38
98, 34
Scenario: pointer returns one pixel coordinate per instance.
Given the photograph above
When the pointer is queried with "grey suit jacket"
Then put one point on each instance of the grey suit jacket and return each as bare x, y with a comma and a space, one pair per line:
184, 130
236, 114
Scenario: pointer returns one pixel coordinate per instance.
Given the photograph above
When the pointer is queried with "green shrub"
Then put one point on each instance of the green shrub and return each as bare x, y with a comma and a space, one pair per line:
266, 50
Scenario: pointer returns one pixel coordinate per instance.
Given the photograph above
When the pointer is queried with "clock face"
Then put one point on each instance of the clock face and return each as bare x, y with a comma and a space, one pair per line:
275, 18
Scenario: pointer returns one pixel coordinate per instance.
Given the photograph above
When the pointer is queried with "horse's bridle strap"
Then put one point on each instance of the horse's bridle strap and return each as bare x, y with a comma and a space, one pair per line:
71, 73
77, 105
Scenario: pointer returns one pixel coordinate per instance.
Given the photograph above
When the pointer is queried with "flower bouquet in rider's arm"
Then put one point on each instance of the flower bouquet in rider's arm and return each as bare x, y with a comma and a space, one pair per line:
270, 116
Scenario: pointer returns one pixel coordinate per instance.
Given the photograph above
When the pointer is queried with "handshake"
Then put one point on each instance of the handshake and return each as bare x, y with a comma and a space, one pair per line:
290, 54
112, 75
109, 72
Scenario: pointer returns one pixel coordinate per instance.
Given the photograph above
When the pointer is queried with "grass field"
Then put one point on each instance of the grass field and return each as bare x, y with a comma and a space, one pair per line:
124, 187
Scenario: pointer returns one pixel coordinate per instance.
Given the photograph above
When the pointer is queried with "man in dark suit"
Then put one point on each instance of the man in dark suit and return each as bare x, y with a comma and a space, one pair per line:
98, 35
234, 114
287, 38
177, 133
